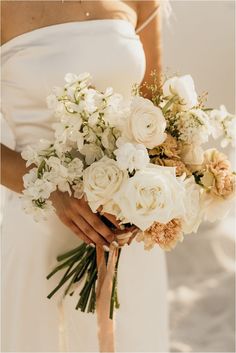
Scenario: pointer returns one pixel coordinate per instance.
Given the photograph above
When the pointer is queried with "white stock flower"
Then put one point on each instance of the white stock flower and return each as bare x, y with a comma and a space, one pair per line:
182, 87
101, 180
92, 153
75, 169
108, 140
132, 157
145, 123
193, 126
229, 125
30, 178
152, 194
73, 78
34, 154
193, 206
115, 111
41, 188
223, 125
38, 213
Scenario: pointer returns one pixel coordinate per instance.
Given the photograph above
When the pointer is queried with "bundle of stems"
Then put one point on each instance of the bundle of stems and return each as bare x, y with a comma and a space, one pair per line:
79, 266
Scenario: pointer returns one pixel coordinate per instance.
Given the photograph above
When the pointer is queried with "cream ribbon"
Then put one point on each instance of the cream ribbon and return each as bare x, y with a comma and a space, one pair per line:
106, 335
103, 297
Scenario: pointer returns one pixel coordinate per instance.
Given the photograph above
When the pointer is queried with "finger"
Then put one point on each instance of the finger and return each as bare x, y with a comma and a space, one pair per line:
95, 221
79, 233
112, 219
89, 231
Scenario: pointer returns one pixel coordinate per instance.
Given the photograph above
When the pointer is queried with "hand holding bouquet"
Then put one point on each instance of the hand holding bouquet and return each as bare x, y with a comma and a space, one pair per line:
140, 160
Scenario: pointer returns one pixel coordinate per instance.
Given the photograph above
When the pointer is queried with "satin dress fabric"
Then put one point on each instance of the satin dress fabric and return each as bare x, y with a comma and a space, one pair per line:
32, 64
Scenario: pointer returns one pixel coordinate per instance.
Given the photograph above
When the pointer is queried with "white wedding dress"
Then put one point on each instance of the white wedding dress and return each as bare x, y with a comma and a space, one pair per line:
32, 63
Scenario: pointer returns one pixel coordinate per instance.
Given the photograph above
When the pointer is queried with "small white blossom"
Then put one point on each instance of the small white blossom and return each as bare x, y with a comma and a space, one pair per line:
132, 157
193, 126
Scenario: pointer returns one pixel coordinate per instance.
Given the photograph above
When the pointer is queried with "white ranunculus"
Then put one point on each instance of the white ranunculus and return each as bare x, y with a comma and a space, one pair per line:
92, 153
152, 194
101, 181
182, 87
192, 154
145, 123
132, 157
193, 206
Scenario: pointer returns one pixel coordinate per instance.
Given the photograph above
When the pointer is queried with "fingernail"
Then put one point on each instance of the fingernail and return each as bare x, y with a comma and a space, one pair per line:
115, 244
105, 247
92, 245
122, 227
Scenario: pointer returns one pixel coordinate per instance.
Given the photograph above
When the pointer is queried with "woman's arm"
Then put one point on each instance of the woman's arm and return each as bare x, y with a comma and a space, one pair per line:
150, 37
75, 214
12, 169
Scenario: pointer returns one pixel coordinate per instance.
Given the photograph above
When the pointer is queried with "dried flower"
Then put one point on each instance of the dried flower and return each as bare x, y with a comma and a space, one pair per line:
179, 165
165, 235
169, 148
217, 177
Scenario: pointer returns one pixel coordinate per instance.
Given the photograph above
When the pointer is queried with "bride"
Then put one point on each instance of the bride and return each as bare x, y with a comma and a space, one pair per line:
118, 43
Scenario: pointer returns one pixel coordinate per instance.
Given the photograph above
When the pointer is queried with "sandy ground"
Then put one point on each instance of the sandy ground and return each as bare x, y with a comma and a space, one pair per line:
202, 290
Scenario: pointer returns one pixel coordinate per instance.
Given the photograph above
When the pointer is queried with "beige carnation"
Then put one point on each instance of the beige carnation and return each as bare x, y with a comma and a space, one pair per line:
168, 149
164, 235
168, 155
180, 166
217, 177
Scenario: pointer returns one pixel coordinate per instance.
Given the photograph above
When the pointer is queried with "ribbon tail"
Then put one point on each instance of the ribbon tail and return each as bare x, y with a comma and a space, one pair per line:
62, 329
103, 294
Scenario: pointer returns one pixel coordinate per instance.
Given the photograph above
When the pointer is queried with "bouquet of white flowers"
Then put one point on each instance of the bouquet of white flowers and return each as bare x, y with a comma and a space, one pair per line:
140, 160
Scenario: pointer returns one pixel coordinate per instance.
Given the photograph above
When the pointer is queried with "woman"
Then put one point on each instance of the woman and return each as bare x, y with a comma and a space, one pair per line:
41, 42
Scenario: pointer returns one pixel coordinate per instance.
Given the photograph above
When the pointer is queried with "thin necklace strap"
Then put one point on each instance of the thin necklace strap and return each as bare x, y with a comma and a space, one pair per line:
149, 19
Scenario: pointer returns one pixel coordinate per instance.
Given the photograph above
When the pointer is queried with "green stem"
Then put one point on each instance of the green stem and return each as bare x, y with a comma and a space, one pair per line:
79, 249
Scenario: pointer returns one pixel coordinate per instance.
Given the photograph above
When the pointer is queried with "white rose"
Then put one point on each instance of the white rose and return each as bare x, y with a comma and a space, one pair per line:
101, 181
132, 157
183, 88
152, 194
145, 124
192, 154
193, 206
